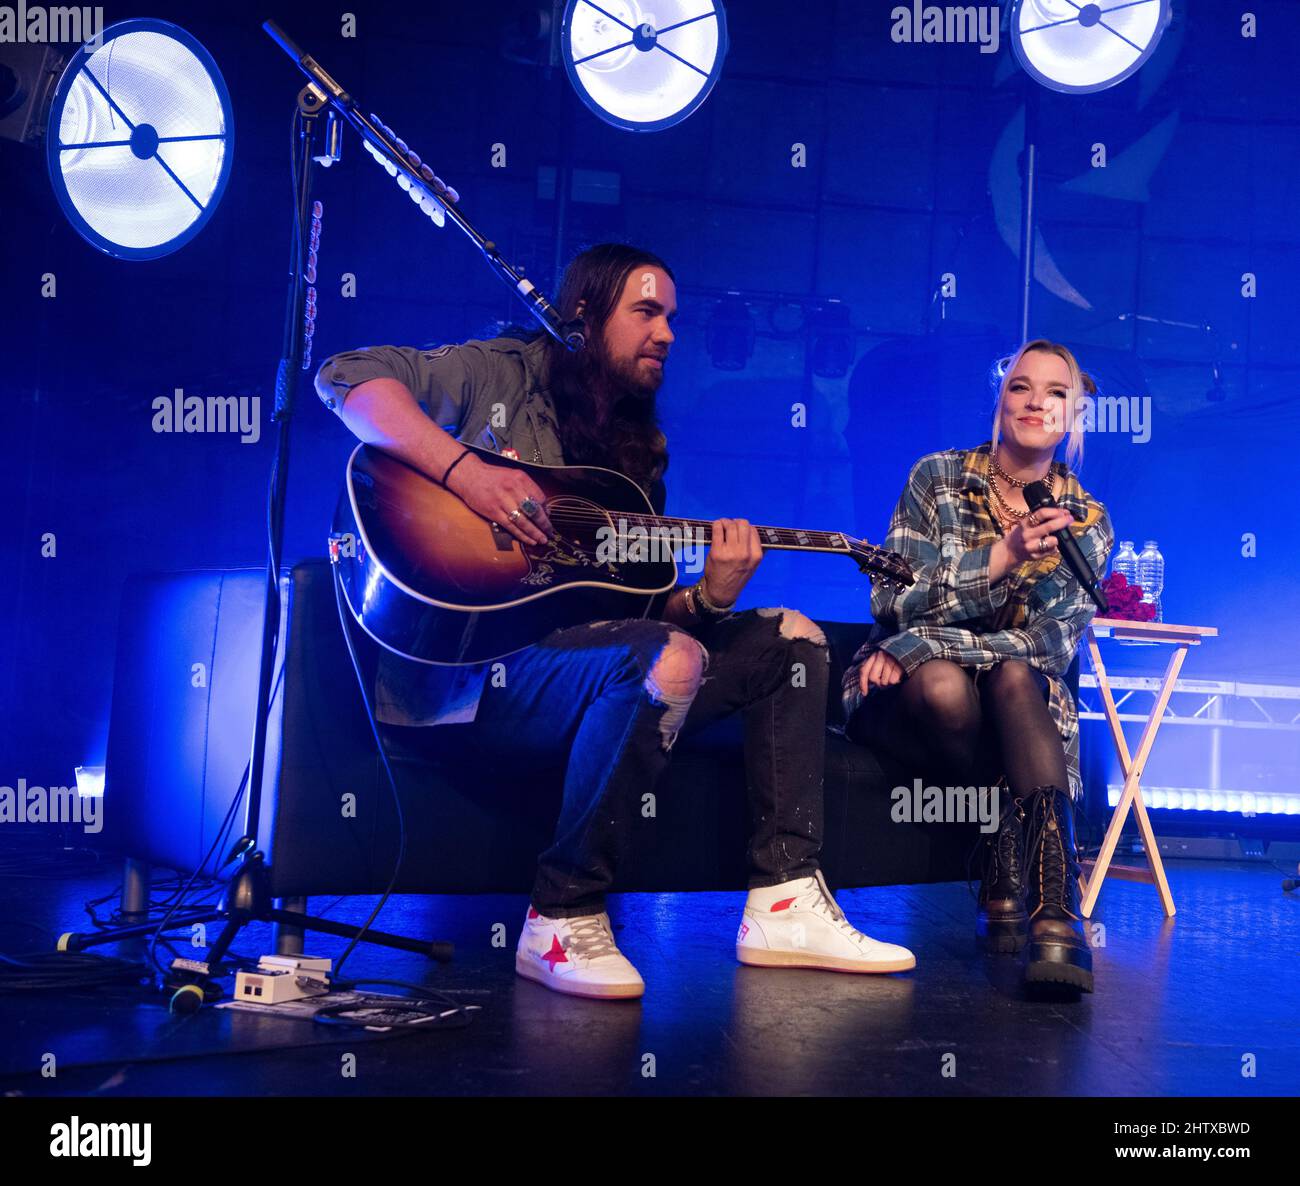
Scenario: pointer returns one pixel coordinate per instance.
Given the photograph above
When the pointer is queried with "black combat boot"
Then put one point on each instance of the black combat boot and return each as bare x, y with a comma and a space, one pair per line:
1002, 921
1058, 948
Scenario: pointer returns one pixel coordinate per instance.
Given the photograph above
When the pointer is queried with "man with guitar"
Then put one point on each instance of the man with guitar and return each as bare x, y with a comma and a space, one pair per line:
607, 699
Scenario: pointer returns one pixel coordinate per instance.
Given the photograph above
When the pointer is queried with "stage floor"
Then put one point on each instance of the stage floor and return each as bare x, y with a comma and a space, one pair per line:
1181, 1007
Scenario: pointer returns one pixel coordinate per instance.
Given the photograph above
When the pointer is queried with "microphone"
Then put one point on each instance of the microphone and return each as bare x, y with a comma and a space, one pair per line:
1038, 496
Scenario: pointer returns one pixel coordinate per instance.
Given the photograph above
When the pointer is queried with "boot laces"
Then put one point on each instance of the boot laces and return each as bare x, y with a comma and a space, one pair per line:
589, 938
1000, 848
1045, 847
1004, 847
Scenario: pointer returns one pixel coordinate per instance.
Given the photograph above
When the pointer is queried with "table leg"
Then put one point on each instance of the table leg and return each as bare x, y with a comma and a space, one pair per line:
1132, 767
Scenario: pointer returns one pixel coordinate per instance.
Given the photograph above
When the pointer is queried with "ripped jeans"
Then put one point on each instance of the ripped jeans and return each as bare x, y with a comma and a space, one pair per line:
585, 698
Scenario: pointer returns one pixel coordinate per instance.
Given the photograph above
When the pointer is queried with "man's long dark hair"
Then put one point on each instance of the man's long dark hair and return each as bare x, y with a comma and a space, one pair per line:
597, 426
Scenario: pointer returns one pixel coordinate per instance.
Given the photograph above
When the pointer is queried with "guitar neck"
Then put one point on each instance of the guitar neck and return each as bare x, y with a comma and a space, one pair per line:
700, 531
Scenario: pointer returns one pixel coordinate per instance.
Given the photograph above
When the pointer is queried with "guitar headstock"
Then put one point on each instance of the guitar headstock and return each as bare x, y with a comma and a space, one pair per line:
888, 568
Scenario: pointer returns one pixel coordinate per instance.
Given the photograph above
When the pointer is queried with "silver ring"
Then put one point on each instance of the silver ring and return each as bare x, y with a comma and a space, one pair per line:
514, 516
1042, 544
529, 507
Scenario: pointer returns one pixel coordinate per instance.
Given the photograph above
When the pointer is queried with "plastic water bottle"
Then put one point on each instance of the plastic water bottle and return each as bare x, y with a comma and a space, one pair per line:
1126, 561
1151, 576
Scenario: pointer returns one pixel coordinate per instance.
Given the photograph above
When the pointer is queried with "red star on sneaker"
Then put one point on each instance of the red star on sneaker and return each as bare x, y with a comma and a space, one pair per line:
556, 954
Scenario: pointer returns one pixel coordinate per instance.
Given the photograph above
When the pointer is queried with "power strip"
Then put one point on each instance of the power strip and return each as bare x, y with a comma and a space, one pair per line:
281, 978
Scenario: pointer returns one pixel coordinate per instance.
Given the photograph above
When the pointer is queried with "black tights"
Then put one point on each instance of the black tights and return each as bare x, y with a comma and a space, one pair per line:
957, 726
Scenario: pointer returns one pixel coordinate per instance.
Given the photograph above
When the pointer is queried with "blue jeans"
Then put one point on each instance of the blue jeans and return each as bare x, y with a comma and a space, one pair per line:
582, 697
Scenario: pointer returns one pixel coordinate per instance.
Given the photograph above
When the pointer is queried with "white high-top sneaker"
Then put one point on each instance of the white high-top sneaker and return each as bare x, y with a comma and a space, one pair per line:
576, 956
797, 924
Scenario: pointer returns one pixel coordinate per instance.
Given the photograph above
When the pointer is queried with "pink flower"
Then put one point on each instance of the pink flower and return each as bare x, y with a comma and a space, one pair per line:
1126, 600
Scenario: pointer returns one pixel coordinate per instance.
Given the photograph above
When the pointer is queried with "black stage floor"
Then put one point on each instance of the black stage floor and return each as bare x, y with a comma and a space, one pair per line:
1182, 1007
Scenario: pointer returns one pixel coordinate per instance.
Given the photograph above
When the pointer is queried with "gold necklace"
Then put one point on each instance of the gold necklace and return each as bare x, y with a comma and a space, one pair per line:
1016, 482
1005, 509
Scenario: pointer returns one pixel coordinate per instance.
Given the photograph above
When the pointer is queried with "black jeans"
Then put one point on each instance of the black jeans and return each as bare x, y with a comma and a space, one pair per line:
580, 699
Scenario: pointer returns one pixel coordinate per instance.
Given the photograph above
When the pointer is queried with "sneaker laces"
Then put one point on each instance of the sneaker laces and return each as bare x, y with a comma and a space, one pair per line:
589, 938
818, 897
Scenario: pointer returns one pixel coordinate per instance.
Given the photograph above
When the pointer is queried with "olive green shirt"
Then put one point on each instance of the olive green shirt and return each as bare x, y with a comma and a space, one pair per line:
493, 394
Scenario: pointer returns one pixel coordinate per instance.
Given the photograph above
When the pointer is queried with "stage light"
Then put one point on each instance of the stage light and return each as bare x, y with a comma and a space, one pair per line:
1080, 48
730, 334
90, 781
639, 69
1209, 802
140, 139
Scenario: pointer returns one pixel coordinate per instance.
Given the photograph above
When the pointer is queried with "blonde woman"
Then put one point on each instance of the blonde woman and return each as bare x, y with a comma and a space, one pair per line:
962, 676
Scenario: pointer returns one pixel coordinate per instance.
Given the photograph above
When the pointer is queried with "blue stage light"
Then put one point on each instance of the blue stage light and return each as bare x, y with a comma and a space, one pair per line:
140, 139
643, 71
1079, 48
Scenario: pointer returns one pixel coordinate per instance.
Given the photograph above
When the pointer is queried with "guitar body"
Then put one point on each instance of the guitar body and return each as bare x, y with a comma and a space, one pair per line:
430, 579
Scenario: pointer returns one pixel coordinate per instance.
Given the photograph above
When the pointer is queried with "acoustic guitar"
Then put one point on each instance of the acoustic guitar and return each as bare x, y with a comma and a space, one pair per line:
432, 580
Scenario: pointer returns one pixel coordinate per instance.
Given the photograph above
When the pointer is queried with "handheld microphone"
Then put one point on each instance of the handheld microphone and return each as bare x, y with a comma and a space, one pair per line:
1038, 496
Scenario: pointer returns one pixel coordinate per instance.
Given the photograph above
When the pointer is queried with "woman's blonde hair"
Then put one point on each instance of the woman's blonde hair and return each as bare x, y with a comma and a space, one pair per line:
1080, 384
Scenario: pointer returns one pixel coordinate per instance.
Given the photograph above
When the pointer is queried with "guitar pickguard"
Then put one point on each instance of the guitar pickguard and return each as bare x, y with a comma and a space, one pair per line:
563, 553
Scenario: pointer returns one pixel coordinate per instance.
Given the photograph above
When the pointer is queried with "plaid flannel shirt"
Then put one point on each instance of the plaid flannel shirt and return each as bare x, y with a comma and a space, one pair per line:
945, 527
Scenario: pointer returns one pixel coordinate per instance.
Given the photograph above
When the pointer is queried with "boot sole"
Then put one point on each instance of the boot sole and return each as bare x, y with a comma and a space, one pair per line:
1051, 964
591, 992
761, 957
1005, 938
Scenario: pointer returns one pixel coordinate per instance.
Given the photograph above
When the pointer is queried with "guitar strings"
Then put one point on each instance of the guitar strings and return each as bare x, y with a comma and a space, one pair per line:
834, 539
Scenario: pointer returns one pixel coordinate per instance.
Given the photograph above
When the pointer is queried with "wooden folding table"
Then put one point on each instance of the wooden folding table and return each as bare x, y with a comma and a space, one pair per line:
1132, 765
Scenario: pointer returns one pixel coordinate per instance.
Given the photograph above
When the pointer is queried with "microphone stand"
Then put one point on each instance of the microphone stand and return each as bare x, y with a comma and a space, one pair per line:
570, 334
247, 896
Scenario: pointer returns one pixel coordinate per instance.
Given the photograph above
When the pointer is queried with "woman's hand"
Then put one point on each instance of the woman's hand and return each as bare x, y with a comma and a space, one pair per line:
880, 669
733, 556
1031, 538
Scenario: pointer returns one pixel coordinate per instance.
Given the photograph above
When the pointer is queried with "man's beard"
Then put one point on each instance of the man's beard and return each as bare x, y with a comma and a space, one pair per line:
628, 379
625, 379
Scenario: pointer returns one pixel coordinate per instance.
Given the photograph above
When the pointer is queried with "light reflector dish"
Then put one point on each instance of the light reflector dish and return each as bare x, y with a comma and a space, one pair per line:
643, 65
140, 139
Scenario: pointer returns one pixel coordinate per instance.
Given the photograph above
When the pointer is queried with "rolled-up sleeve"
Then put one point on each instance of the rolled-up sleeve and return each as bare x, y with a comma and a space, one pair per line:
1049, 640
952, 582
443, 380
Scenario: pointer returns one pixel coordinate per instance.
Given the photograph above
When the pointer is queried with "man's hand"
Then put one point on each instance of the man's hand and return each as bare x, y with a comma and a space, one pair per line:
494, 491
733, 557
879, 669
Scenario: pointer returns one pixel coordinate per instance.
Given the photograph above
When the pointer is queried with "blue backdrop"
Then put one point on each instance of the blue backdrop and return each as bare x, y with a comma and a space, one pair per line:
830, 162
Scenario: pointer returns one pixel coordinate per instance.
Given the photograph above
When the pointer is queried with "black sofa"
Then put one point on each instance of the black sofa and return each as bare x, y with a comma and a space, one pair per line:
176, 751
